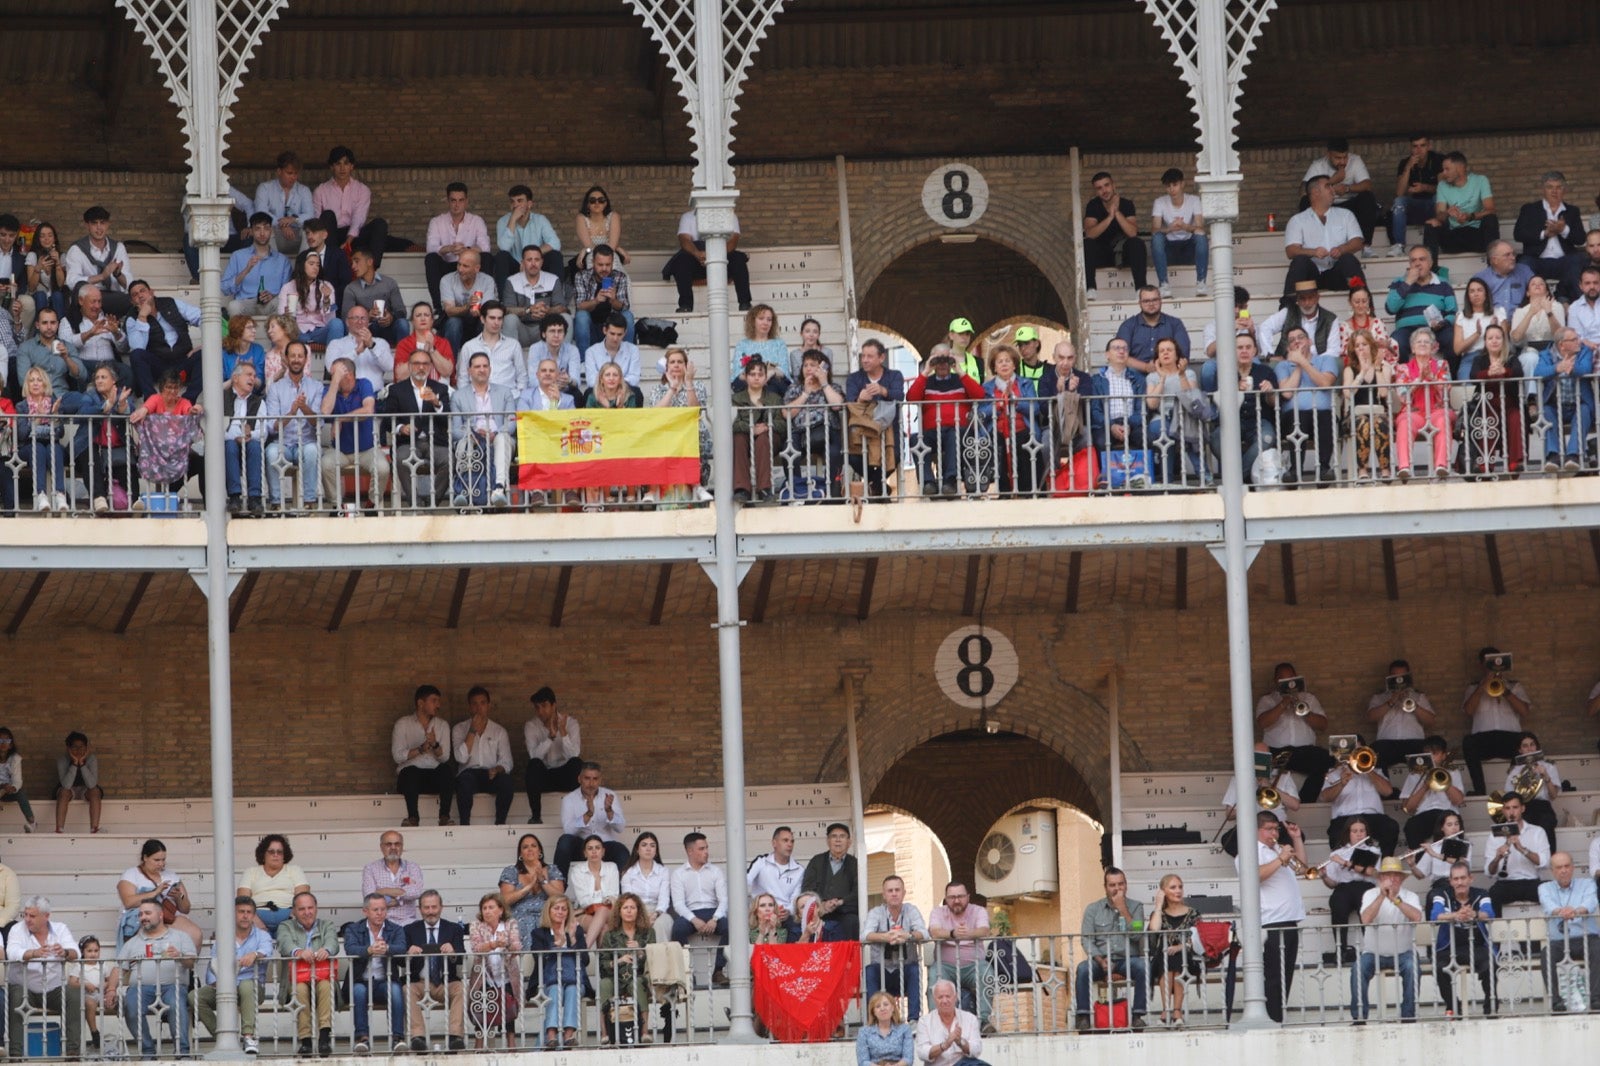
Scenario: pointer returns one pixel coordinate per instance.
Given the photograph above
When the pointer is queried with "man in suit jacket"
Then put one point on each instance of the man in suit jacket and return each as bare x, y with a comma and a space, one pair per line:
419, 432
484, 418
1116, 407
313, 944
376, 947
1550, 231
438, 978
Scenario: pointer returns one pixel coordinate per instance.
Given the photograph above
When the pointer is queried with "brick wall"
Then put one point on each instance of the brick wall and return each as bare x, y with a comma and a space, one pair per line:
312, 709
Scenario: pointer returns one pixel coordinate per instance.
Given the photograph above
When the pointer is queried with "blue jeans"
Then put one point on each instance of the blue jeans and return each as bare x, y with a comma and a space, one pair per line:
251, 474
1196, 251
898, 979
561, 1010
974, 984
1361, 983
323, 334
1408, 211
1577, 421
585, 328
137, 1000
1093, 970
49, 465
307, 456
376, 988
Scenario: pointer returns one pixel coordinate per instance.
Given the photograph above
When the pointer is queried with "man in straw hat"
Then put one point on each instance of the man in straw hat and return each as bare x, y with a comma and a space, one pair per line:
1389, 940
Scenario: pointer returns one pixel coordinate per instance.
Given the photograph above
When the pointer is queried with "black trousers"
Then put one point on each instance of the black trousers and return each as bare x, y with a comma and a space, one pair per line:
148, 367
1444, 240
1313, 763
1482, 962
684, 269
1513, 890
1542, 814
503, 264
412, 781
1103, 253
1393, 752
569, 849
1345, 269
1493, 744
1281, 957
1303, 431
472, 780
1421, 826
540, 779
1579, 948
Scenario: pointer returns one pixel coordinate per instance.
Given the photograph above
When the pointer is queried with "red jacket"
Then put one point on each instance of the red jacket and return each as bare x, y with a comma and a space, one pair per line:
945, 394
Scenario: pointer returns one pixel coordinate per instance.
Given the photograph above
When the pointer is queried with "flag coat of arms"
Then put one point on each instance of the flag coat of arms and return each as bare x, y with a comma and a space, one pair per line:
598, 447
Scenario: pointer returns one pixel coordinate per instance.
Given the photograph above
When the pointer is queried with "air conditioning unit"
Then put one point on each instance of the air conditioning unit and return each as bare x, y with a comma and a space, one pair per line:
1018, 857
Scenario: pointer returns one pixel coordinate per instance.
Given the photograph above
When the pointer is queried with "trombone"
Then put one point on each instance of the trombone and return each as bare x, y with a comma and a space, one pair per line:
1362, 760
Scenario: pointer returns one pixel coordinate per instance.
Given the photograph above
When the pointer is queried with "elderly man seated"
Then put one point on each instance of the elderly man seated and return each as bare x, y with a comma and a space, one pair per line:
312, 943
38, 950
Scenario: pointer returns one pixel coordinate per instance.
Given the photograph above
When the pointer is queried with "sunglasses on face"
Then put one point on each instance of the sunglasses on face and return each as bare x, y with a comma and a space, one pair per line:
597, 199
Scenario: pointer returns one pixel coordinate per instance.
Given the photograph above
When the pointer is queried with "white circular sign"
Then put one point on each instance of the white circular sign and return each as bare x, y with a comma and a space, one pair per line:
955, 195
976, 667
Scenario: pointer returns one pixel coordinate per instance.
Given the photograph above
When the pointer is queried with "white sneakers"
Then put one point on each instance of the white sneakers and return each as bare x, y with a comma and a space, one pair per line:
1166, 291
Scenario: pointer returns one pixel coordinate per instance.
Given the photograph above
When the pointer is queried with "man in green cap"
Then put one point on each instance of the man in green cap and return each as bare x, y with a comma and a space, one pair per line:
1032, 368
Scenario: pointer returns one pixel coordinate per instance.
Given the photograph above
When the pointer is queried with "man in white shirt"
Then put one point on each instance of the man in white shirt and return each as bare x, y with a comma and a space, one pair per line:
1495, 722
420, 744
1424, 803
369, 353
613, 349
1178, 233
1282, 910
1570, 907
99, 337
483, 758
591, 810
948, 1035
1351, 183
778, 875
688, 263
1283, 728
1323, 243
1400, 731
1388, 941
1279, 780
554, 742
508, 363
100, 261
1514, 861
1350, 793
45, 946
700, 901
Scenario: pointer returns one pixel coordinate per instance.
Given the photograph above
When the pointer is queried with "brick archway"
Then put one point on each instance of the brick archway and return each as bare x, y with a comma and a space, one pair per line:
959, 784
1029, 212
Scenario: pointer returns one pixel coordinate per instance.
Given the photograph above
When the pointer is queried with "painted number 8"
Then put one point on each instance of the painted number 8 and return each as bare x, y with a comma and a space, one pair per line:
975, 678
957, 201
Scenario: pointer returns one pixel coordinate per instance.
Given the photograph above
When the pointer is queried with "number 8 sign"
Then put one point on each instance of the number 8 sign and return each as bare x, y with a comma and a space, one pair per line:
976, 667
955, 195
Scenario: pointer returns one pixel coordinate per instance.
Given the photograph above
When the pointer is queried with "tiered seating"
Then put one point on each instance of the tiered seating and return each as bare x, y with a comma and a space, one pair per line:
1259, 265
799, 282
335, 836
1193, 799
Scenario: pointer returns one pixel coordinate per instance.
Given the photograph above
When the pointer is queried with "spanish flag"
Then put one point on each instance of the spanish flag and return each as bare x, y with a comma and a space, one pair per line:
598, 447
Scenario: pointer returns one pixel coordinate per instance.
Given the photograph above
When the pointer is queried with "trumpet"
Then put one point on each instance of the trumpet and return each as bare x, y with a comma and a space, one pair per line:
1496, 686
1301, 708
1438, 779
1408, 705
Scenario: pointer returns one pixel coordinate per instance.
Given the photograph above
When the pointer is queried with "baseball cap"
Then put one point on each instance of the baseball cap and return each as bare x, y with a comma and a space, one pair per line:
961, 325
1025, 334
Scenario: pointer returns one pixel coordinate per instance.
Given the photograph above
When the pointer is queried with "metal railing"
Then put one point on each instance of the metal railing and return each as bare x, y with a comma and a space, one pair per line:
164, 1007
969, 448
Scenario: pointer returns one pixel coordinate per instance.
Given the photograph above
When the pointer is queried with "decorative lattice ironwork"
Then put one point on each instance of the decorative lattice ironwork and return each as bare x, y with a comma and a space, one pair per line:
1179, 22
744, 24
164, 25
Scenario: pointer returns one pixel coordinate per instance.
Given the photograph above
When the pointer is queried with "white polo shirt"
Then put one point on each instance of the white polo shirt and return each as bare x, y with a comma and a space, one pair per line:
1290, 730
1280, 893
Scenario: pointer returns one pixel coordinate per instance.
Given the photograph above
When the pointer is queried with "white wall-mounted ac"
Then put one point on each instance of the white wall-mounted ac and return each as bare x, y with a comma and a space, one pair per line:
1018, 857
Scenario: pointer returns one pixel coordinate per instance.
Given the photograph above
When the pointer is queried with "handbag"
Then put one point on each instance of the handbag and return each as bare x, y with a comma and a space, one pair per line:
1128, 468
655, 332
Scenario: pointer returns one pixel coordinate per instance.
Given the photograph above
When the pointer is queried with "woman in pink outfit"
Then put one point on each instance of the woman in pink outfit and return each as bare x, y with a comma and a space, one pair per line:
1424, 388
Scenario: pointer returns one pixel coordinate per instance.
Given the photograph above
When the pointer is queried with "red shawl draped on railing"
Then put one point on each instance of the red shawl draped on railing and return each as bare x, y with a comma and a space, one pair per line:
802, 991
